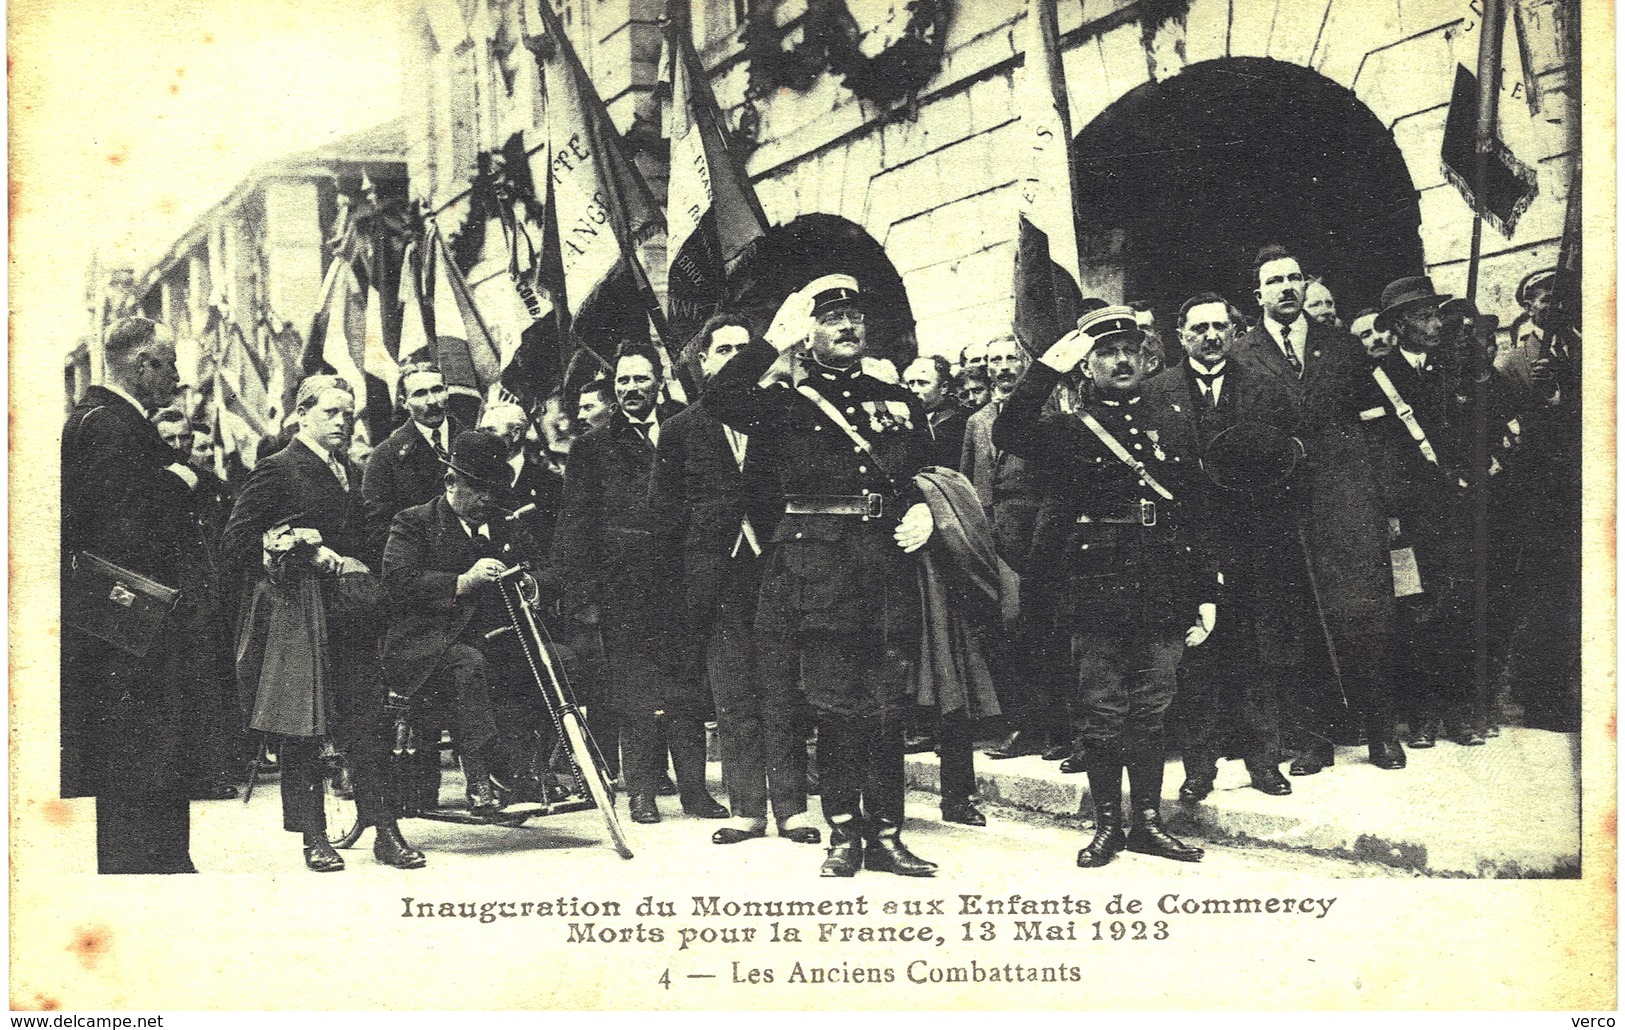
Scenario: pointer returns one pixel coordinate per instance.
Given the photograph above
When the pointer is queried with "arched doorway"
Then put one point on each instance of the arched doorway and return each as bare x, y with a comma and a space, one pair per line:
812, 245
1181, 181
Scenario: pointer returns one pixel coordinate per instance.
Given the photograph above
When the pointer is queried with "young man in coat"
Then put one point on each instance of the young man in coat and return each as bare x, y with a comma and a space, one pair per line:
1119, 545
440, 568
309, 485
615, 577
716, 502
131, 731
839, 606
1325, 371
407, 468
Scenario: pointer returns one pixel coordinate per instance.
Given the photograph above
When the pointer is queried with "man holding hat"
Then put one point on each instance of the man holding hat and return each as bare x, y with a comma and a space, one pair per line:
441, 567
1325, 371
1115, 546
839, 605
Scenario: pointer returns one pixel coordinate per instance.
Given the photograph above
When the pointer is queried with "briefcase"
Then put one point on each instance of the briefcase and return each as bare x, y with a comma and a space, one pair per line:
124, 608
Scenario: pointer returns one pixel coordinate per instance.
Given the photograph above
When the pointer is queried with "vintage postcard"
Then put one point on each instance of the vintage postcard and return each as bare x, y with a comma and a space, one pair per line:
812, 504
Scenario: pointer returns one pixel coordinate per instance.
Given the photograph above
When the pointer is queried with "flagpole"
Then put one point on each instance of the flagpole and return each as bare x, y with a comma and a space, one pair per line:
1489, 98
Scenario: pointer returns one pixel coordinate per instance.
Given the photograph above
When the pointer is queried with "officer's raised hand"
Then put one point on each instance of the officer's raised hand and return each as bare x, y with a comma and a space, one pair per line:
792, 323
1066, 353
483, 571
1207, 616
915, 529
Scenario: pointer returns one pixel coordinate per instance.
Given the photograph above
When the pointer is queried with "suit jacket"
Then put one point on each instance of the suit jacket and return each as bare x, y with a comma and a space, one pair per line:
402, 471
131, 727
1009, 497
1348, 533
427, 550
700, 499
604, 549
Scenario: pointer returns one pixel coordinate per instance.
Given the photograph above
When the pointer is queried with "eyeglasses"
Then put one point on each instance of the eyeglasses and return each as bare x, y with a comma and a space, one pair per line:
838, 315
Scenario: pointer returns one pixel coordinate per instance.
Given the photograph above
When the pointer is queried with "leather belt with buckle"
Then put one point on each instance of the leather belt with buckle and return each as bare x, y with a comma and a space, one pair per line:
1146, 516
866, 505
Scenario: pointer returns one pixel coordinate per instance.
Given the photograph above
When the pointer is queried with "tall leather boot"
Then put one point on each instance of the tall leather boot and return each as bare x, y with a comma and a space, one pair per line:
1106, 789
841, 764
685, 736
1145, 793
390, 848
883, 794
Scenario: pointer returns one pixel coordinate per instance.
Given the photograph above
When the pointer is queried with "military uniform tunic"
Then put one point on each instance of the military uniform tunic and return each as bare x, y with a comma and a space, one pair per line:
1122, 562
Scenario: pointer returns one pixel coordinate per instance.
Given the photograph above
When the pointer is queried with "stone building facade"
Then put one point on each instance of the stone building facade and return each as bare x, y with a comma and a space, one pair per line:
887, 129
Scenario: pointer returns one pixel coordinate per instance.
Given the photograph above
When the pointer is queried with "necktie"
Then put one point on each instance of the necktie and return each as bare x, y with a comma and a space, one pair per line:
1209, 391
1291, 355
434, 441
338, 471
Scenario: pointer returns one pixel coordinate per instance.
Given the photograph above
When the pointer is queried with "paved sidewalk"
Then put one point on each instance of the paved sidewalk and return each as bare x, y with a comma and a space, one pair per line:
1508, 809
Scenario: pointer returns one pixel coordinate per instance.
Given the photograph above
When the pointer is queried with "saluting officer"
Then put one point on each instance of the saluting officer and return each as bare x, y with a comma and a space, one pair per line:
839, 604
1113, 548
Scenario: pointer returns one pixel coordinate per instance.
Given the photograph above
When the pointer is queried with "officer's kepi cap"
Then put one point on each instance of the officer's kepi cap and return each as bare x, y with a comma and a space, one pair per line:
833, 291
1110, 323
1543, 277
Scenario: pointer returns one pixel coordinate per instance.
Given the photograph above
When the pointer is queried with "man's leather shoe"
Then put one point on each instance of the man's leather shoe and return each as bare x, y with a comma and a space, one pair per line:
1057, 752
845, 855
918, 744
1314, 759
888, 854
1467, 736
482, 798
390, 848
321, 858
1196, 787
1424, 736
1149, 838
665, 788
1387, 754
962, 812
734, 835
1107, 843
703, 806
1076, 762
642, 808
1267, 779
801, 834
1016, 745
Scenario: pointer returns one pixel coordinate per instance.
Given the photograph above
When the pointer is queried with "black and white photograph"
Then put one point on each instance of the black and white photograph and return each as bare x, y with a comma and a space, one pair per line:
655, 505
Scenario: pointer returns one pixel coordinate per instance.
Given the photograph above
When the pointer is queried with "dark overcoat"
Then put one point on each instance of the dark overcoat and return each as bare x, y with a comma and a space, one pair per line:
295, 487
428, 549
131, 727
1348, 534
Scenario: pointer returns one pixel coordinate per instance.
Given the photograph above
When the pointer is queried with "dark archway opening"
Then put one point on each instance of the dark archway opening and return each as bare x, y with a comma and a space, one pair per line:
1180, 182
801, 250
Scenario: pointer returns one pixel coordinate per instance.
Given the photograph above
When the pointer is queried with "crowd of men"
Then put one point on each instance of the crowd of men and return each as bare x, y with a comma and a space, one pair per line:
1278, 537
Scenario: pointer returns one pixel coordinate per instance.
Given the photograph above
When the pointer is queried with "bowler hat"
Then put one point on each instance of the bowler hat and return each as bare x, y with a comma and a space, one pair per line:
1405, 292
1251, 456
481, 456
1541, 278
832, 291
1109, 323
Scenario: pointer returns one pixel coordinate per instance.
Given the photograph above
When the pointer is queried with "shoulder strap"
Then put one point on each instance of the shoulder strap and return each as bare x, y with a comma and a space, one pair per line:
1407, 415
1122, 454
833, 413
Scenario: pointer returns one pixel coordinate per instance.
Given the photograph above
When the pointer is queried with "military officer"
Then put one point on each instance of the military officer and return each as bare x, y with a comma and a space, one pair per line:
1113, 546
839, 603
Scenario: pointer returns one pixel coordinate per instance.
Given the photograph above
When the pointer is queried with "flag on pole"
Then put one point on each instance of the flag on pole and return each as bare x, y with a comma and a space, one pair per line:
463, 348
1046, 275
242, 402
600, 204
377, 361
414, 345
1510, 185
338, 334
713, 215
